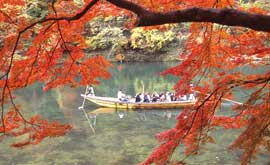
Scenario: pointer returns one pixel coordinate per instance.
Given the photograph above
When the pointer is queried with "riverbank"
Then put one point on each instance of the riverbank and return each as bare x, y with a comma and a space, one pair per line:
139, 56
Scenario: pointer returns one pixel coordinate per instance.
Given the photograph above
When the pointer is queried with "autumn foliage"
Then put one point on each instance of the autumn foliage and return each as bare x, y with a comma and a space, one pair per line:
36, 129
212, 55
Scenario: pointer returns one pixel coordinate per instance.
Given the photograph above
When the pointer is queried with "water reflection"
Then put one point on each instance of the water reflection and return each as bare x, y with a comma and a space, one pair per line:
137, 115
142, 115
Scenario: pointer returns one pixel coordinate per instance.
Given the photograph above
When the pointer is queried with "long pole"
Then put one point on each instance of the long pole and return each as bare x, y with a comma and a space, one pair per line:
236, 102
90, 124
86, 116
82, 106
229, 100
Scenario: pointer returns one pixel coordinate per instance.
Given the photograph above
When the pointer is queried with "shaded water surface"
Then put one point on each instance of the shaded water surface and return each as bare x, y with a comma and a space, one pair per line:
121, 137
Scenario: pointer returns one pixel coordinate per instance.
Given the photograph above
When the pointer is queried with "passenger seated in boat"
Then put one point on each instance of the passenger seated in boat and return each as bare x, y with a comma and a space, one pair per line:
146, 98
155, 97
191, 97
168, 97
182, 98
138, 98
141, 97
173, 98
121, 96
161, 97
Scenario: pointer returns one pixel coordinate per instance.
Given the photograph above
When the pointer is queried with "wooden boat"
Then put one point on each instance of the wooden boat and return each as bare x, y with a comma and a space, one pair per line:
116, 103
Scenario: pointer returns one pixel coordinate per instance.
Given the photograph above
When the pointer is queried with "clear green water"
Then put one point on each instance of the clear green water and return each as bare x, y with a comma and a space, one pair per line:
121, 137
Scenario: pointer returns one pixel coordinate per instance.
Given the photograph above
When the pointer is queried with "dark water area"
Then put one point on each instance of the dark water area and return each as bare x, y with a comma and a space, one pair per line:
117, 137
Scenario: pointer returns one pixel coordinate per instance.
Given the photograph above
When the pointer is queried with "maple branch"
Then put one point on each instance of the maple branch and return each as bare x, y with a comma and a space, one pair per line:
70, 18
7, 16
32, 66
75, 17
224, 16
15, 107
2, 117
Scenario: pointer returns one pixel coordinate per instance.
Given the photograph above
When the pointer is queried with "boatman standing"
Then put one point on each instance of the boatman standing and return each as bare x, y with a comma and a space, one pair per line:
90, 91
192, 94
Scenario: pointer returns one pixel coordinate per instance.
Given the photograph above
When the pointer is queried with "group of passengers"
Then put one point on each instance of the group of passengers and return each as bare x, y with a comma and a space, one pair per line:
161, 97
155, 97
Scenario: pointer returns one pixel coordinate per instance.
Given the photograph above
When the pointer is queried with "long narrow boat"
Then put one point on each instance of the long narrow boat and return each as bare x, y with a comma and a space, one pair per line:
115, 103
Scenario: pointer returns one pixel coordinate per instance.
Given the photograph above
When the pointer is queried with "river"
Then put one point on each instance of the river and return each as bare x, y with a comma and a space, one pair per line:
116, 137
